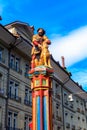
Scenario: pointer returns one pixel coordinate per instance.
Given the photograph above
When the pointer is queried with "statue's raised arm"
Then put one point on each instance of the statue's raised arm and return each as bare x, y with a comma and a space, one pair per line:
40, 53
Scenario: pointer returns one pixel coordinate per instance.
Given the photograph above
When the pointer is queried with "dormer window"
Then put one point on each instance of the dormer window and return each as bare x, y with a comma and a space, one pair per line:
14, 31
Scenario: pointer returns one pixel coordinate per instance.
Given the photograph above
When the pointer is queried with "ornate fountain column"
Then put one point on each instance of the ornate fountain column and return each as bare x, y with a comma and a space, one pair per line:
41, 85
41, 82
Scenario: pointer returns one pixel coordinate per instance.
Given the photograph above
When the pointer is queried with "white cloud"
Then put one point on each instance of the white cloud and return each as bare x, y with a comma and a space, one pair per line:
73, 46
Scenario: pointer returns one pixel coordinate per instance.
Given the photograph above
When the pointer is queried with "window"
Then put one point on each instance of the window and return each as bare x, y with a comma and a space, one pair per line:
0, 53
13, 31
67, 125
26, 68
12, 61
0, 80
57, 106
72, 116
26, 93
58, 112
66, 113
78, 117
58, 127
16, 89
71, 105
12, 119
15, 63
9, 119
28, 96
1, 84
77, 100
65, 98
15, 120
13, 90
11, 85
56, 88
26, 122
57, 91
83, 120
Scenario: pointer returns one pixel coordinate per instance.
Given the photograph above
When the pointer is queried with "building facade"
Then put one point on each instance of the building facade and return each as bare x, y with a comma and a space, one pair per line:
15, 92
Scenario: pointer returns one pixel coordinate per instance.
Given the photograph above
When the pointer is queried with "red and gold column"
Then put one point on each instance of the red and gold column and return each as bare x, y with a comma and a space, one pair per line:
41, 85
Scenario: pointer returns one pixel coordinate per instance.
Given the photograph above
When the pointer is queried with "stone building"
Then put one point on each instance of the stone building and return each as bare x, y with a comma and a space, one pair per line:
69, 99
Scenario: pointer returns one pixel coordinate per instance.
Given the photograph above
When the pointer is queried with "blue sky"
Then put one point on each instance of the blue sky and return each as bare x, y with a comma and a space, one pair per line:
65, 22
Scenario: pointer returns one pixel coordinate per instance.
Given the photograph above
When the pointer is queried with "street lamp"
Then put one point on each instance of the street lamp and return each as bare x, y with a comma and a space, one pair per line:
70, 96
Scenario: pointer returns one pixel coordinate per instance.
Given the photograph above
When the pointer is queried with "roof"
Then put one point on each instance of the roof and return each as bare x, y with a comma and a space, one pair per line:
76, 89
5, 36
19, 23
69, 83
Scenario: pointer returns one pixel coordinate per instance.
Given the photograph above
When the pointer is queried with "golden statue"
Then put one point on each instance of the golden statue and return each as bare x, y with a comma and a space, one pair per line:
40, 53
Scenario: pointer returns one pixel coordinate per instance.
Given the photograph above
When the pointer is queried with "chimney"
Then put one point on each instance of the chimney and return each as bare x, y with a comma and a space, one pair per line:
63, 62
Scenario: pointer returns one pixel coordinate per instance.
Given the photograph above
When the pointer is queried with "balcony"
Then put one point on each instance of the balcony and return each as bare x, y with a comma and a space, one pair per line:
15, 98
27, 102
12, 128
15, 68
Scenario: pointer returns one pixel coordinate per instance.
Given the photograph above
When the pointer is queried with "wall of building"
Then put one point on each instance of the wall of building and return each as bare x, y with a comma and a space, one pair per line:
16, 98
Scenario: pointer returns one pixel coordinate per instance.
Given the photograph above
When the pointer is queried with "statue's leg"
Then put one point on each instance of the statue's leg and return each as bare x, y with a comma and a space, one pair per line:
41, 61
36, 62
33, 61
45, 60
49, 64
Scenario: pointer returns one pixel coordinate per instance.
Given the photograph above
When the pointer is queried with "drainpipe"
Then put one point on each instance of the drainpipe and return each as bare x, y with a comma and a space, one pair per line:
6, 116
62, 108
